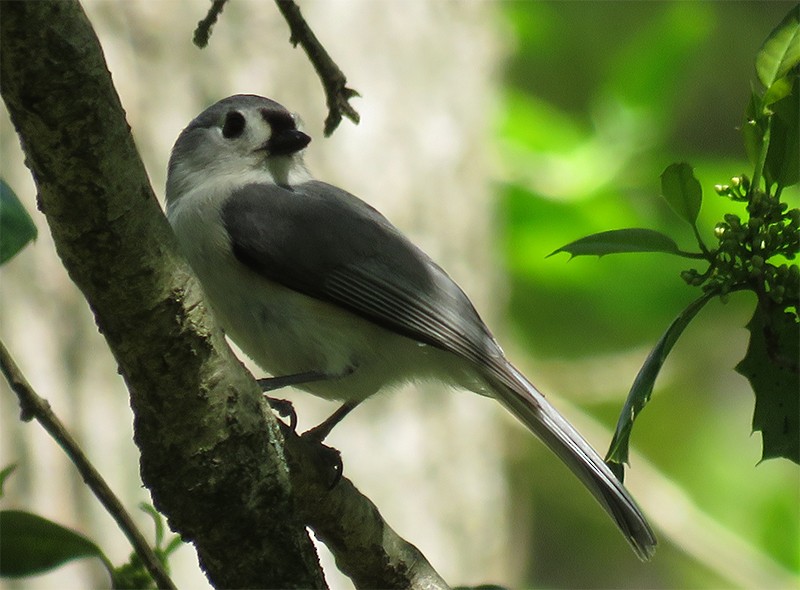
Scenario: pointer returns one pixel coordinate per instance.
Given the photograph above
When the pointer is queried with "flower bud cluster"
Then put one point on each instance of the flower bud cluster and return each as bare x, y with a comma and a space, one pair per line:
744, 257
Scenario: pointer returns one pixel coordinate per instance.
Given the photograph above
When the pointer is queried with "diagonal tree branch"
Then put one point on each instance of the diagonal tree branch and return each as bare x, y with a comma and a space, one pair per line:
364, 546
213, 462
334, 82
211, 455
36, 407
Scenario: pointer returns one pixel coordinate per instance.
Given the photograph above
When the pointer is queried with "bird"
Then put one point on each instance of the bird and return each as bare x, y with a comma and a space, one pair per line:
326, 295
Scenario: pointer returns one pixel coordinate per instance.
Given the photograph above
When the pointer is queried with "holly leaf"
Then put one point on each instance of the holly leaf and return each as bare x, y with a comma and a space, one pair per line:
771, 367
682, 191
16, 226
618, 241
31, 545
781, 50
642, 388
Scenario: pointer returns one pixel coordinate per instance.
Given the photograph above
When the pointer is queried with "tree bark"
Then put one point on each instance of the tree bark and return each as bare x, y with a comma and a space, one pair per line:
212, 459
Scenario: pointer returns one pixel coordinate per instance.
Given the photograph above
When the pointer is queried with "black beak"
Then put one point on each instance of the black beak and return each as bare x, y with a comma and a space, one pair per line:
285, 143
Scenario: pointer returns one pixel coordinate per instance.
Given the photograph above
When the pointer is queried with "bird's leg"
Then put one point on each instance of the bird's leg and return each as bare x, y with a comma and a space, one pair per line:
273, 383
317, 434
284, 407
322, 430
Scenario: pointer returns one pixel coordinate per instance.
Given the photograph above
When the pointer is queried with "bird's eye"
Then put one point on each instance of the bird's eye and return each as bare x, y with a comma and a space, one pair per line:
234, 125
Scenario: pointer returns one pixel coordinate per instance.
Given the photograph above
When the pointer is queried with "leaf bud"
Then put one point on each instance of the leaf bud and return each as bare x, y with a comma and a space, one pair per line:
733, 220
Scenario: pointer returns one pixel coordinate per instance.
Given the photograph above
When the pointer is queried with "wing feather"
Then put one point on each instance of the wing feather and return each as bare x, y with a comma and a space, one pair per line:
328, 244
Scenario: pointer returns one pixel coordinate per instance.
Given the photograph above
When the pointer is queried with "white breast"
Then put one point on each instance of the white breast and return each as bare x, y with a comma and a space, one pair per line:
286, 332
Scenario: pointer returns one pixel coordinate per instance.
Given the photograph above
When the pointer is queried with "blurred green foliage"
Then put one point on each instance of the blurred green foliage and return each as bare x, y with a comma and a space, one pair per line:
599, 99
16, 226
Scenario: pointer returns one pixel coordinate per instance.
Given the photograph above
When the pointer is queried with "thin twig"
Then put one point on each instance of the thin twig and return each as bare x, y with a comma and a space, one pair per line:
203, 30
333, 80
34, 406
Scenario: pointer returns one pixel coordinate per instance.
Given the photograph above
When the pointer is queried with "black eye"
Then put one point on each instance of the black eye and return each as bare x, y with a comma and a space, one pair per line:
234, 125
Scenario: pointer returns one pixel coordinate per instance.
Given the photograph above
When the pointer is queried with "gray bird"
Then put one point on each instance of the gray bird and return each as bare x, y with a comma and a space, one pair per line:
325, 294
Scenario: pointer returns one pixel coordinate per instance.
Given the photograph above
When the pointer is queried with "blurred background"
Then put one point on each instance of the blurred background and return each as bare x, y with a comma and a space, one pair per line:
492, 133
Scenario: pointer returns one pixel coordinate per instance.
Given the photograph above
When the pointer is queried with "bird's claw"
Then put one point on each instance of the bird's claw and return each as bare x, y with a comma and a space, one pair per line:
285, 409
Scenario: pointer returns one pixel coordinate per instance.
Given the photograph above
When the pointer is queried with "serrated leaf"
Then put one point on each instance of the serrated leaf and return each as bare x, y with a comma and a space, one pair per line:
642, 388
781, 50
619, 241
682, 191
16, 226
30, 544
771, 367
7, 470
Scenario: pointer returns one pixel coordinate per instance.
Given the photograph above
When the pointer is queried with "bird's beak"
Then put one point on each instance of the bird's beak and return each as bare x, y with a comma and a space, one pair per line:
287, 142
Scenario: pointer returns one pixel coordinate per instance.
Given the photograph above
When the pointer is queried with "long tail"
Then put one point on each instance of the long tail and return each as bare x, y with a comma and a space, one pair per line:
519, 396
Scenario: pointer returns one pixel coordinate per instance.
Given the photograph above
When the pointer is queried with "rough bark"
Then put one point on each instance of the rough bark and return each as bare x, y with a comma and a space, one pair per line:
364, 545
211, 458
211, 455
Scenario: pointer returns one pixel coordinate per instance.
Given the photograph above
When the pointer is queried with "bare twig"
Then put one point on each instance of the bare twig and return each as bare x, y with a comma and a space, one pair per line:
35, 407
333, 80
203, 30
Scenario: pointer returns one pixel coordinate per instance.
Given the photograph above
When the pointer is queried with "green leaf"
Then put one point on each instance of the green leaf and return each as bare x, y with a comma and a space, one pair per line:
771, 366
752, 128
781, 50
682, 191
16, 226
132, 575
642, 388
618, 241
781, 88
7, 470
30, 544
782, 164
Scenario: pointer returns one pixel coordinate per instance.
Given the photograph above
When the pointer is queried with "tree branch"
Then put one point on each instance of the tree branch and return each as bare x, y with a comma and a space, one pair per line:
334, 82
35, 407
213, 462
350, 525
203, 31
212, 456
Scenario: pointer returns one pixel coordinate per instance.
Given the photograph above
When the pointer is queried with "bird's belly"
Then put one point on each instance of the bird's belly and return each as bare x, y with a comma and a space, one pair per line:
286, 333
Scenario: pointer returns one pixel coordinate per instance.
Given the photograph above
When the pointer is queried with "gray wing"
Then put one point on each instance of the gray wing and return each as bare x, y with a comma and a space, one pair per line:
326, 243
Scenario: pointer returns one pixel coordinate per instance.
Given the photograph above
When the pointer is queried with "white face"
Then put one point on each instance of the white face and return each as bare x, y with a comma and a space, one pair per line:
242, 137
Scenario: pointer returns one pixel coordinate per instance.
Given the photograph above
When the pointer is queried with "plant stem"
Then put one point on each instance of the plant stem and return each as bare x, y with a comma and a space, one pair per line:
762, 156
34, 406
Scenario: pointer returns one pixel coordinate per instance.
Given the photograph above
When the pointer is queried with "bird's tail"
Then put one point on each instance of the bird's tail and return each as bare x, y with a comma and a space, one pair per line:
519, 396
